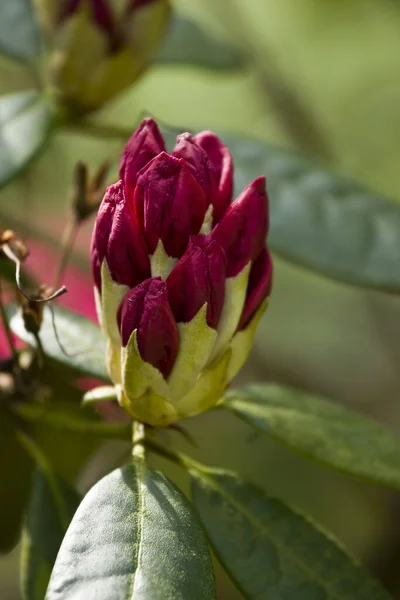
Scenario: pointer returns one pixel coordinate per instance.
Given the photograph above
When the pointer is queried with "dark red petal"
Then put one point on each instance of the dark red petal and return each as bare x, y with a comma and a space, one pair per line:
258, 288
199, 163
146, 309
243, 228
144, 144
169, 204
102, 229
221, 160
198, 277
96, 266
117, 238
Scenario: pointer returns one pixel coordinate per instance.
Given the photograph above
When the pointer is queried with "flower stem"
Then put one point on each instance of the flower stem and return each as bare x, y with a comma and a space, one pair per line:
138, 440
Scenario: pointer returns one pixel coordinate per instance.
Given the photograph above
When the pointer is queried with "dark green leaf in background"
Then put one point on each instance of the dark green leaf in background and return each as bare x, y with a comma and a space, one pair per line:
320, 219
80, 338
25, 121
46, 523
15, 470
133, 536
19, 32
322, 430
186, 43
270, 551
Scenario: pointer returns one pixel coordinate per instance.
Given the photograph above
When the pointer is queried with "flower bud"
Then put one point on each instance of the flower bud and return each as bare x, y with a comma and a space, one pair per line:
258, 287
169, 204
143, 145
100, 48
117, 239
179, 290
145, 309
198, 279
211, 163
244, 226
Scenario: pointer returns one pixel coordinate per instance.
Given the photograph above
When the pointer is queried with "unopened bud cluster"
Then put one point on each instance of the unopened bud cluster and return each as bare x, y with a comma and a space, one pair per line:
182, 273
100, 47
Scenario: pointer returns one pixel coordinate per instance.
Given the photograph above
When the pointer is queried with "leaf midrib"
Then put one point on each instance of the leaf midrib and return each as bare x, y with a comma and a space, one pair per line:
138, 547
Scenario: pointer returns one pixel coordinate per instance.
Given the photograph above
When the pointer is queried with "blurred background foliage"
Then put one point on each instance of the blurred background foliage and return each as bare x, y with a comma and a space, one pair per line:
339, 63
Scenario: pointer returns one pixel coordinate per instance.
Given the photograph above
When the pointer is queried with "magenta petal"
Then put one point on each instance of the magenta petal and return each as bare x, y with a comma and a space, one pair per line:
199, 163
221, 160
243, 228
146, 309
198, 277
258, 288
117, 238
169, 204
143, 145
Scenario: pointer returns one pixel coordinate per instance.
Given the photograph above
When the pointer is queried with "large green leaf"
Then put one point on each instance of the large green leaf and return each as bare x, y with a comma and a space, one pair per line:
47, 518
25, 122
186, 43
80, 338
133, 536
19, 32
322, 430
320, 219
15, 470
270, 551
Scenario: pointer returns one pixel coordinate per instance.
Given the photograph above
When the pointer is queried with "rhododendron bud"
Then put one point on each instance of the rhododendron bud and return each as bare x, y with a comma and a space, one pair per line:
182, 276
100, 47
211, 163
145, 143
145, 310
117, 239
198, 279
169, 204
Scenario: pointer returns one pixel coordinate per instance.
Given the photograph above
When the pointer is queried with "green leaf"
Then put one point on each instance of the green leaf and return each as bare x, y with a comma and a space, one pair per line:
186, 43
320, 219
47, 519
322, 430
19, 31
82, 339
25, 122
16, 468
133, 536
270, 551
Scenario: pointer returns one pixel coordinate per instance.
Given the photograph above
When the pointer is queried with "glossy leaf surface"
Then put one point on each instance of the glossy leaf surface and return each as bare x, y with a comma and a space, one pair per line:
133, 536
322, 430
272, 552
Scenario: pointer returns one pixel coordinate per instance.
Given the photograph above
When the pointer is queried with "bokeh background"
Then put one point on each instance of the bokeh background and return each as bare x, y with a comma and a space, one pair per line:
340, 62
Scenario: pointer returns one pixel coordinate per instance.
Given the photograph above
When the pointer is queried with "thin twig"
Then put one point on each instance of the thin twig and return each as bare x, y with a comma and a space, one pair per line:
10, 254
68, 239
6, 326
